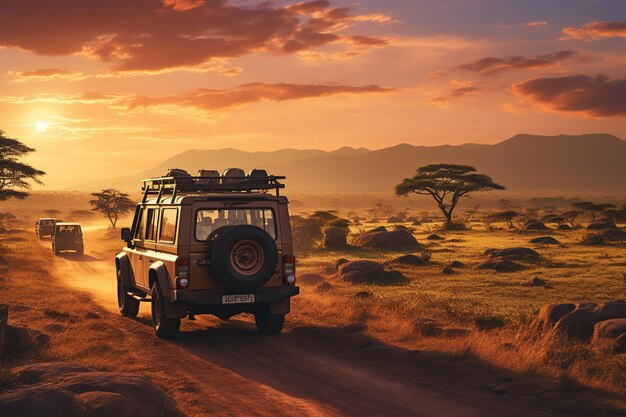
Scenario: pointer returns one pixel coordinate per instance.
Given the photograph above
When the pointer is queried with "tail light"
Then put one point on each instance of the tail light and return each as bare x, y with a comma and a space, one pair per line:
289, 269
182, 272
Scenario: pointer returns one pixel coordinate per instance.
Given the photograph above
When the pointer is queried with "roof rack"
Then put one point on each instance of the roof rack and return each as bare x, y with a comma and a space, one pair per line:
219, 184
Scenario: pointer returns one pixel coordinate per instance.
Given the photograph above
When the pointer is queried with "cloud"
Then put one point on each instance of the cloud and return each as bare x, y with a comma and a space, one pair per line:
153, 35
595, 30
491, 65
537, 23
45, 74
463, 89
590, 96
215, 99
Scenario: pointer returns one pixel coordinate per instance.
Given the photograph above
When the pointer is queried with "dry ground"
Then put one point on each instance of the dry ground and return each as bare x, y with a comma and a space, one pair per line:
320, 368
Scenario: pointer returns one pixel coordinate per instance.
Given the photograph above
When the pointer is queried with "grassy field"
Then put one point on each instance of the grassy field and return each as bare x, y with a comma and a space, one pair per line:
497, 307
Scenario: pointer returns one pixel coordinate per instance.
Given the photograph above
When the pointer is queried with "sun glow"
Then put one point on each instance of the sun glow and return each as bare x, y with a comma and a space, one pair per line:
41, 126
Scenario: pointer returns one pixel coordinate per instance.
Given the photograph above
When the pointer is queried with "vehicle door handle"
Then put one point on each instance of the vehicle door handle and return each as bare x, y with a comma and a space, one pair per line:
140, 257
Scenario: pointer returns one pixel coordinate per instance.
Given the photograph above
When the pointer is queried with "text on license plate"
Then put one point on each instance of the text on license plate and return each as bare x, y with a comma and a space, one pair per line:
236, 299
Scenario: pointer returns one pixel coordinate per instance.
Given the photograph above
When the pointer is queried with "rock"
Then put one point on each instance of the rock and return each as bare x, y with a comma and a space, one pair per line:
499, 389
545, 240
395, 219
551, 313
564, 226
579, 323
456, 264
536, 282
62, 389
400, 227
335, 238
514, 254
363, 294
448, 270
501, 264
324, 287
23, 339
364, 266
611, 334
601, 224
536, 226
354, 327
393, 277
311, 279
339, 262
435, 237
611, 235
416, 223
369, 272
611, 310
382, 239
37, 401
412, 260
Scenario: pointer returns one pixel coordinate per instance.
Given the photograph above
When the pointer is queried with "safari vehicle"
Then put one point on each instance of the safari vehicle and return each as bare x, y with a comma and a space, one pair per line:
44, 227
67, 236
210, 244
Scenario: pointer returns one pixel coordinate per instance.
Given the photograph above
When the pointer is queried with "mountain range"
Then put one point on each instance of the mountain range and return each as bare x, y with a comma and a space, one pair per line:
589, 163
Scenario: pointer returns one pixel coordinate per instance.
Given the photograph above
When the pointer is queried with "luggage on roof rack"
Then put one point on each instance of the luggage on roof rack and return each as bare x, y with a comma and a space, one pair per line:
171, 185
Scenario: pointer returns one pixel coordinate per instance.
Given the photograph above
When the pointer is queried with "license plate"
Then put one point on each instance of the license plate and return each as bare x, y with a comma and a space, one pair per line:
238, 299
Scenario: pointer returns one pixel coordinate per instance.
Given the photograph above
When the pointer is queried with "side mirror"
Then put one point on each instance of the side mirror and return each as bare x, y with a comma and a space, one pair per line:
126, 236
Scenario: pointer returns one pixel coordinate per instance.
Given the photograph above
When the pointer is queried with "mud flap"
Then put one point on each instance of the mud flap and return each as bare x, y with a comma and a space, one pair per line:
281, 306
123, 264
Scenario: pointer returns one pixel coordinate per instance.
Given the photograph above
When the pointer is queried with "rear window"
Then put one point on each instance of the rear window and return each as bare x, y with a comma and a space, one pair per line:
70, 230
46, 222
168, 225
209, 220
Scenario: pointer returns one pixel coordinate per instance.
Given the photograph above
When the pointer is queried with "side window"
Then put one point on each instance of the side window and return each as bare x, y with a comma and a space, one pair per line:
151, 223
140, 224
167, 232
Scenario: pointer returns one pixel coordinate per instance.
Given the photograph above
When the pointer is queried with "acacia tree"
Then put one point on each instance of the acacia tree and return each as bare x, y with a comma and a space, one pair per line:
15, 176
446, 184
506, 216
592, 209
112, 203
571, 216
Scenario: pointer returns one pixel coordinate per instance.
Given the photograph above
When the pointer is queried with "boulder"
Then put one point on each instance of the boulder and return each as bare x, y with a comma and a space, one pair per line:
382, 239
601, 224
611, 310
339, 262
324, 287
611, 235
514, 254
536, 226
62, 389
545, 240
369, 272
335, 238
501, 264
536, 282
311, 279
363, 294
395, 219
435, 236
22, 339
579, 323
456, 264
448, 270
611, 334
412, 260
552, 313
564, 226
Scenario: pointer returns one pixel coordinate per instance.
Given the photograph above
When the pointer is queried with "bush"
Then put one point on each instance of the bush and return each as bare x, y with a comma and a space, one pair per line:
489, 322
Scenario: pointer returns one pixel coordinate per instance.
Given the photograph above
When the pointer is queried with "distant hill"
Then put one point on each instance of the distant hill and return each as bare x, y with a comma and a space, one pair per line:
586, 163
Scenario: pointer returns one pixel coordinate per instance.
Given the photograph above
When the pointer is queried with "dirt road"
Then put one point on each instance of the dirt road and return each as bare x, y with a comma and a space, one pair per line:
227, 369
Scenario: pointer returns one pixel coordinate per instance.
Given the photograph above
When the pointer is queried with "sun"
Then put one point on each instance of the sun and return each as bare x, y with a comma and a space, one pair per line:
41, 126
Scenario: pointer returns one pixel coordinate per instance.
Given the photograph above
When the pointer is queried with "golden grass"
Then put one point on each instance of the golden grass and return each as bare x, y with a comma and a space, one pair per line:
475, 299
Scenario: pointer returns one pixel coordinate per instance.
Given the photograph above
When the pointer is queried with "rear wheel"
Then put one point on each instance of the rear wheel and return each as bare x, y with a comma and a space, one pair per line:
267, 323
163, 327
129, 307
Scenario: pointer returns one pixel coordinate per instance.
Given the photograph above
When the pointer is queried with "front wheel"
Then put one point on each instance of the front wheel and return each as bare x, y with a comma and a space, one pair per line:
129, 307
267, 323
163, 327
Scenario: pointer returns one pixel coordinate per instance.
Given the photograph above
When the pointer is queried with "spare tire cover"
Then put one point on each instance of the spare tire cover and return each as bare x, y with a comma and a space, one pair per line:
243, 257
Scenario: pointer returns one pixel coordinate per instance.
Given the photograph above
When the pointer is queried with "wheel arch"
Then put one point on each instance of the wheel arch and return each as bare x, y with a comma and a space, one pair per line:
122, 264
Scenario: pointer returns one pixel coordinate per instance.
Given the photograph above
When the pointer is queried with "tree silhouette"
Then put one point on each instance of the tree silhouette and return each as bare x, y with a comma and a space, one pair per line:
506, 216
15, 176
592, 209
80, 214
571, 216
446, 184
112, 203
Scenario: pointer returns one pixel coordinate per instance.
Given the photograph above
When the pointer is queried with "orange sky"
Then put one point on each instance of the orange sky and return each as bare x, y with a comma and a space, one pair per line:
107, 87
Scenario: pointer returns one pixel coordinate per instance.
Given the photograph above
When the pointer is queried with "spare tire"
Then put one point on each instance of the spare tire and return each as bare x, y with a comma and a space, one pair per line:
243, 257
